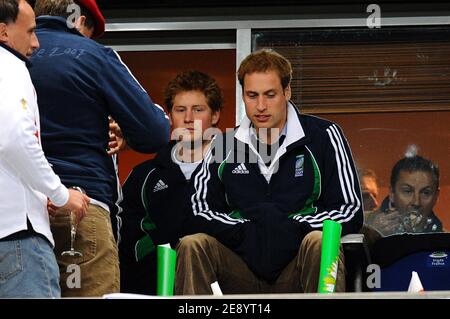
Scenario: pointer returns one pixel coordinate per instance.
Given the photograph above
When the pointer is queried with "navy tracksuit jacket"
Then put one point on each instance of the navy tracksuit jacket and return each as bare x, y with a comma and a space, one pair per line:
79, 83
263, 212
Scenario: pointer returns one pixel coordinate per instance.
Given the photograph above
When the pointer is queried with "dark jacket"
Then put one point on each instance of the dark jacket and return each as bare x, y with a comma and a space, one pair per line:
265, 222
79, 83
154, 210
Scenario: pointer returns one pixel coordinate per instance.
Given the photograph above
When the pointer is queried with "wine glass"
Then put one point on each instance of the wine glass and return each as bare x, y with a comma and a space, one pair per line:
73, 231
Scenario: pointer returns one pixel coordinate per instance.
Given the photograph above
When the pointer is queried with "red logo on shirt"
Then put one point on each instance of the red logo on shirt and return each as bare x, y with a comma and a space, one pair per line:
37, 132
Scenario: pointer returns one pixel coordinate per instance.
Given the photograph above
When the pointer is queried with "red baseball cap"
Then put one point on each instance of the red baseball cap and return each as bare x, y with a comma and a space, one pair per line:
99, 20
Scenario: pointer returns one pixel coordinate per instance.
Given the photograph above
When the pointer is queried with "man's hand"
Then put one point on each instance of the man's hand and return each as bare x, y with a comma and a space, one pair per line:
77, 203
52, 209
116, 141
415, 222
388, 223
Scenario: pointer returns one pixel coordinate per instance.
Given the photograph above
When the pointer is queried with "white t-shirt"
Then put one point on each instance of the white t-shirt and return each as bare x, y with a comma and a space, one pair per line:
186, 168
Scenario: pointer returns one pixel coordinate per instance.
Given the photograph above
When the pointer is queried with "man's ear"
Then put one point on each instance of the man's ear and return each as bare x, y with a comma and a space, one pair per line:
80, 25
80, 21
391, 195
3, 32
288, 92
215, 117
436, 197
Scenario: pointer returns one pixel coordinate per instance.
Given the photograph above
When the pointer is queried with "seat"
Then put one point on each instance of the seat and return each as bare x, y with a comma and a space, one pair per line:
427, 254
357, 258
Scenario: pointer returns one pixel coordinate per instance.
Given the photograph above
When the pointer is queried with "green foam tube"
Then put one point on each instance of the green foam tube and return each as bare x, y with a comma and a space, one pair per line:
166, 270
331, 239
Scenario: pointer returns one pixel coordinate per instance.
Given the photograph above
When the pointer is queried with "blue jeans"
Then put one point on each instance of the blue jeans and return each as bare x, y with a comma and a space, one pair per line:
28, 269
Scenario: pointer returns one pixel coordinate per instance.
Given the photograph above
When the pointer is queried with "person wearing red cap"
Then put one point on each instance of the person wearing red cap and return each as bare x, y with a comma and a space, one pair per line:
80, 83
98, 23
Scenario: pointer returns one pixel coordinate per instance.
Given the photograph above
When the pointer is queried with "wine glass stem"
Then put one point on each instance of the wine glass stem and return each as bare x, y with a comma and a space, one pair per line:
73, 233
73, 230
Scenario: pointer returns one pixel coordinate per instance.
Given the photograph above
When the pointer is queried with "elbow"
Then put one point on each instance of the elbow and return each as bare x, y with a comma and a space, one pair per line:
153, 138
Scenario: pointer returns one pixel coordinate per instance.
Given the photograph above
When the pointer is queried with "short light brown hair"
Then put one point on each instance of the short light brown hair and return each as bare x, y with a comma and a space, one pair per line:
263, 61
194, 81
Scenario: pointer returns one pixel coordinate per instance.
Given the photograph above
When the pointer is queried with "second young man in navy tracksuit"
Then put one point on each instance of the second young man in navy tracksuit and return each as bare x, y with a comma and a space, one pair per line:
263, 192
156, 192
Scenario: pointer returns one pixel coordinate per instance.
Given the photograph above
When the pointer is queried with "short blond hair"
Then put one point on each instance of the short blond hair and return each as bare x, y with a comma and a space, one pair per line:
266, 60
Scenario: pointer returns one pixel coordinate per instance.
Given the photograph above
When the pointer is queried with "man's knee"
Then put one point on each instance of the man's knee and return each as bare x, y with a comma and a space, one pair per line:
194, 241
312, 240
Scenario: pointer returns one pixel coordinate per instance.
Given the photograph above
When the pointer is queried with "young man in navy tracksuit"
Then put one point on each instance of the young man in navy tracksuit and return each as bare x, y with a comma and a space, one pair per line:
156, 191
263, 192
80, 83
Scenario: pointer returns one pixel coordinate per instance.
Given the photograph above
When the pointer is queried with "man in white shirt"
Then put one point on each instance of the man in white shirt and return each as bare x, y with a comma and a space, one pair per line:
28, 266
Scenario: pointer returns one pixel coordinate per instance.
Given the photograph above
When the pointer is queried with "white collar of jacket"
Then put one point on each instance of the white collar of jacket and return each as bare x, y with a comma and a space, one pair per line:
294, 132
15, 53
254, 135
